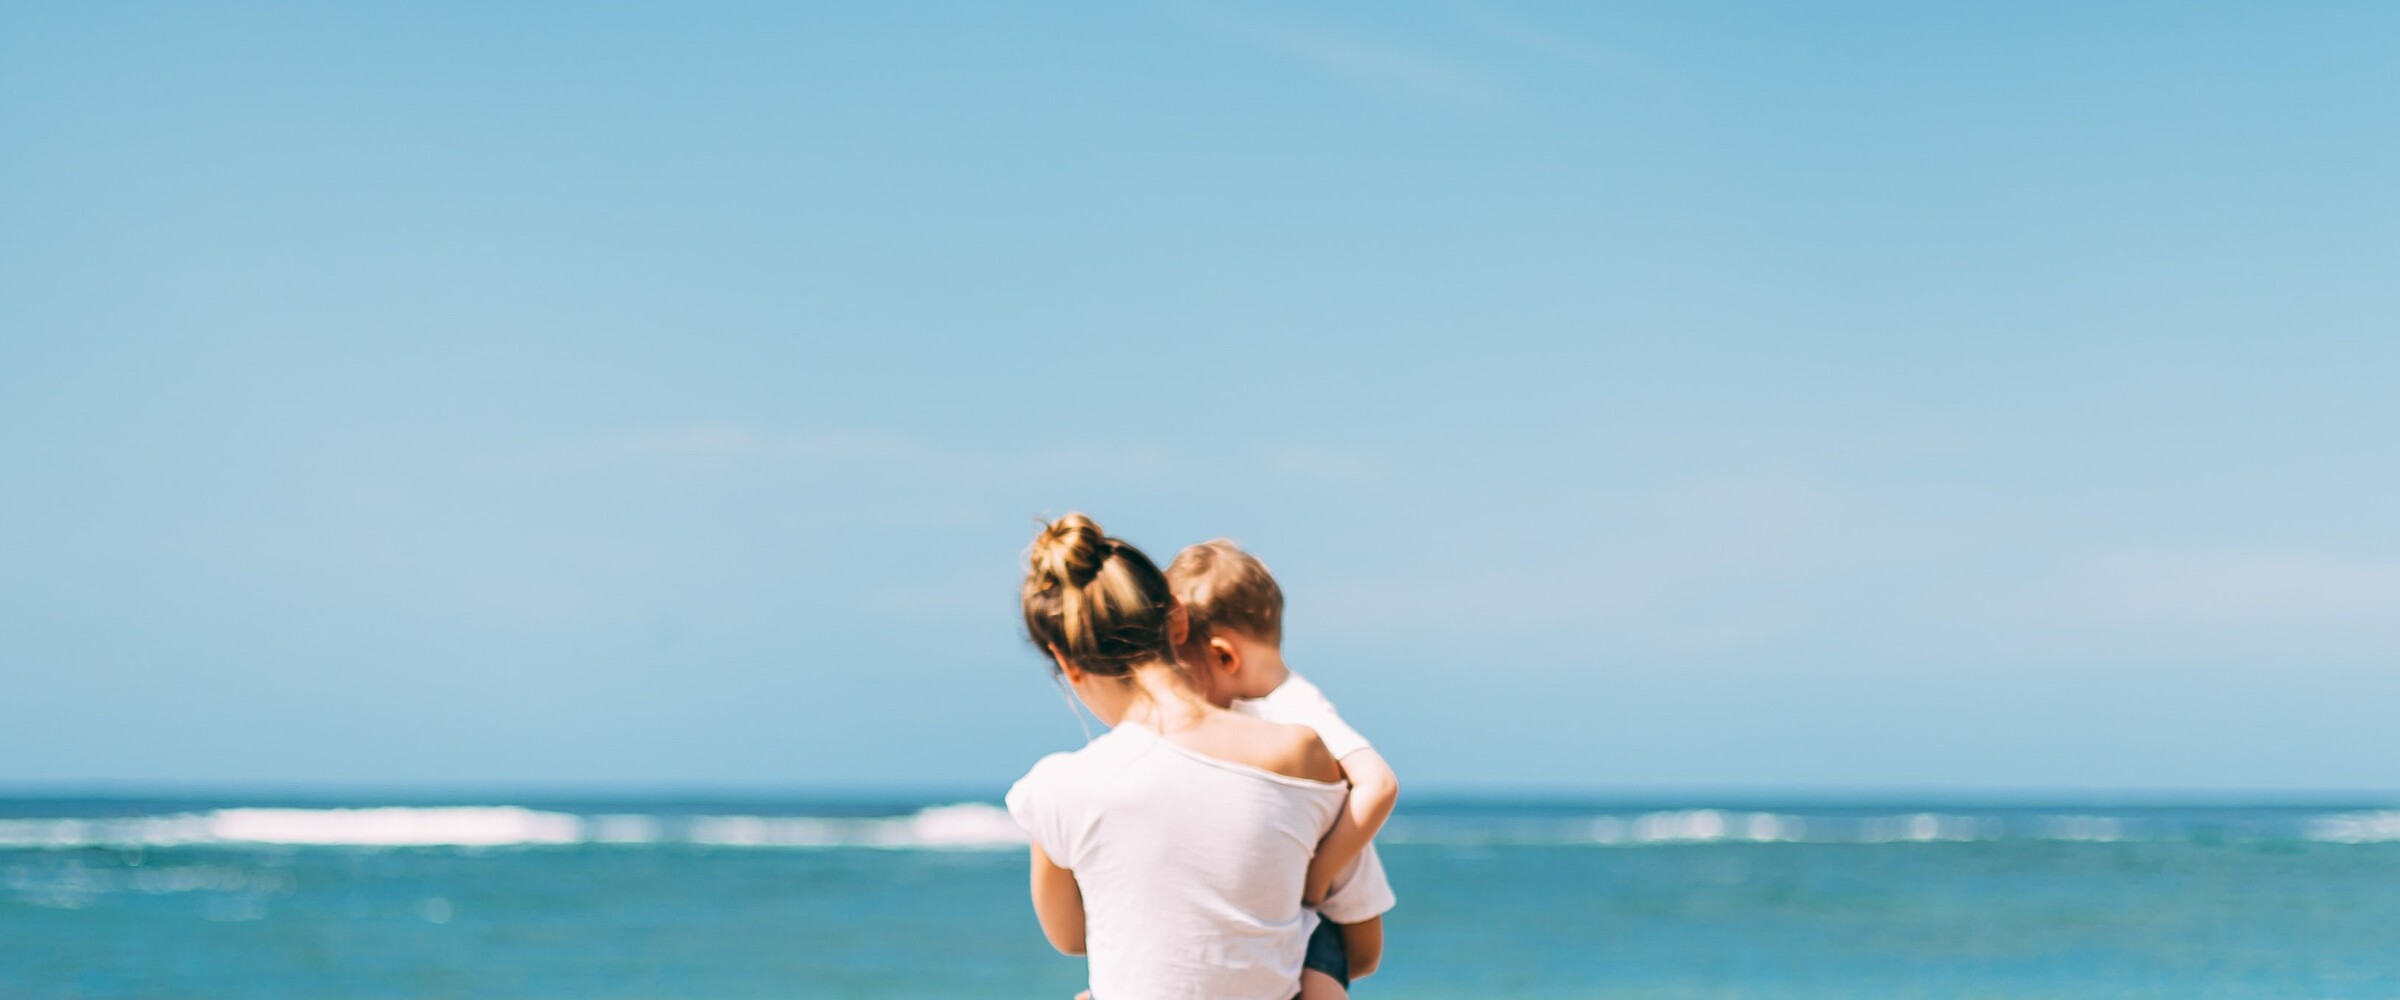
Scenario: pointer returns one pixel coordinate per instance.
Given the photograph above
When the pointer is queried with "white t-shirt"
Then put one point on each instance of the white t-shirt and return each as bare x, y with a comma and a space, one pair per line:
1361, 890
1190, 866
1298, 701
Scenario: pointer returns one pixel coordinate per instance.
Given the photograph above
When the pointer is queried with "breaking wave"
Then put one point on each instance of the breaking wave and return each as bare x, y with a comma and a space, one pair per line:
961, 826
1705, 826
2356, 828
1735, 826
982, 826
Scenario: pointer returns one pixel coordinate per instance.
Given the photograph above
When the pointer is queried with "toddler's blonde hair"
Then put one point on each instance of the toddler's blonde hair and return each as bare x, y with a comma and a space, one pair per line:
1226, 588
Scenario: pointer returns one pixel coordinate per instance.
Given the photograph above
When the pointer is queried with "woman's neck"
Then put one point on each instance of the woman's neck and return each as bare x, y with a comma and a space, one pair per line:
1153, 694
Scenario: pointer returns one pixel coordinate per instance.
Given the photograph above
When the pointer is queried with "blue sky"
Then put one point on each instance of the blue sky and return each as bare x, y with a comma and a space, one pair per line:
1658, 397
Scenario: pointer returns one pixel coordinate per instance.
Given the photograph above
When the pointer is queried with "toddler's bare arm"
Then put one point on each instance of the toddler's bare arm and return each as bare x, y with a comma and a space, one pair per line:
1373, 791
1362, 944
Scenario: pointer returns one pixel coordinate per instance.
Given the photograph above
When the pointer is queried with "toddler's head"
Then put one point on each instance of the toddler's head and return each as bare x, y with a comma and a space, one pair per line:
1232, 594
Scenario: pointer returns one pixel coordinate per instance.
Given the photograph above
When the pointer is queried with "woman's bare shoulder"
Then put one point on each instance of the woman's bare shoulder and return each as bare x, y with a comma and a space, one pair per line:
1289, 750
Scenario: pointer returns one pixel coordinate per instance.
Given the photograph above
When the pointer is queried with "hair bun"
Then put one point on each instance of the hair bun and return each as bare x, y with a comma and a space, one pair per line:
1095, 602
1070, 550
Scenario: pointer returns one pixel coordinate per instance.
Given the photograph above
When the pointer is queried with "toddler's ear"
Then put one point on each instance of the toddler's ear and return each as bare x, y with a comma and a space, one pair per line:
1223, 655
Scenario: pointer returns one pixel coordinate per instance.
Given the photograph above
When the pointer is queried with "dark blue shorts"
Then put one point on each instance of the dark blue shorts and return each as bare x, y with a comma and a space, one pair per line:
1326, 955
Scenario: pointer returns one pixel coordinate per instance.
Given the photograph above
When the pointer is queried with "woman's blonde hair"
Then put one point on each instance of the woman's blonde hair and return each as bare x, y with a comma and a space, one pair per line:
1097, 601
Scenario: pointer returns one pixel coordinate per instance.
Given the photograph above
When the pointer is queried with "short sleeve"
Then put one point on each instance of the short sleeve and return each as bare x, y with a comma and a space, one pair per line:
1034, 803
1361, 893
1340, 739
1299, 701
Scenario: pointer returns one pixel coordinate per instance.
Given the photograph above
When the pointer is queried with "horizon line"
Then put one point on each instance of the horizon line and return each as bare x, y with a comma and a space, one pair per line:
491, 792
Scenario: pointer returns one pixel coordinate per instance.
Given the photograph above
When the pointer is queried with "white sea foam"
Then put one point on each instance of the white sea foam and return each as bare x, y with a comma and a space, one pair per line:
1714, 826
965, 825
460, 826
763, 831
1768, 827
1926, 828
2356, 828
1698, 825
974, 825
464, 826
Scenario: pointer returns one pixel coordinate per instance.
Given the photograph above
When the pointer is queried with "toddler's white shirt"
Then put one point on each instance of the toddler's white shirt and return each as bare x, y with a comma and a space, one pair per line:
1298, 701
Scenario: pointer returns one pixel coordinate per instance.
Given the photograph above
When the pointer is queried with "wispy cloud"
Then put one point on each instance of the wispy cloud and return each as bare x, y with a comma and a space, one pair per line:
2219, 589
1697, 568
1528, 36
1326, 465
1367, 63
708, 441
727, 443
2187, 607
715, 444
1373, 62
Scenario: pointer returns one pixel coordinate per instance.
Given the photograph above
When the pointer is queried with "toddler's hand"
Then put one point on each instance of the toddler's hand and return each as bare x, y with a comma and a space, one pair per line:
1085, 995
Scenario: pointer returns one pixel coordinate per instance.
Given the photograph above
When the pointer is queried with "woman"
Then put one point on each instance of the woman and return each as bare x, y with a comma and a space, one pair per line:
1172, 849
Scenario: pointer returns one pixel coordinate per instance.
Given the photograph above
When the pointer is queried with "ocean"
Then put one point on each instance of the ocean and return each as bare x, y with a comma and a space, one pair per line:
530, 897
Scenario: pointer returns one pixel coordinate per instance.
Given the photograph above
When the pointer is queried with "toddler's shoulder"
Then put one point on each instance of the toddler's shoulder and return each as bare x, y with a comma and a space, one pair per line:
1300, 690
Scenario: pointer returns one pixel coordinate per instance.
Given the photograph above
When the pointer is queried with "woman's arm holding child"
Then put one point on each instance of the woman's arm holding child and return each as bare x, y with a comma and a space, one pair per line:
1058, 904
1373, 791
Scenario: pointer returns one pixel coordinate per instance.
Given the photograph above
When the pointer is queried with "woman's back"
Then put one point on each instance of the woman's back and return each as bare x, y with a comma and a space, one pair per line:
1190, 864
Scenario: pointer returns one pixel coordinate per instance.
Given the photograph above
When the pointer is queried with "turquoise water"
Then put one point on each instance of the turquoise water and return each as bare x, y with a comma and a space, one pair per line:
738, 900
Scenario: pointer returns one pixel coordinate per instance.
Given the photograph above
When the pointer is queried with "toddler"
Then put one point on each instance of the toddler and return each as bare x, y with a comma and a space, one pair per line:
1237, 661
